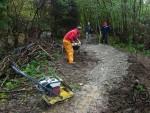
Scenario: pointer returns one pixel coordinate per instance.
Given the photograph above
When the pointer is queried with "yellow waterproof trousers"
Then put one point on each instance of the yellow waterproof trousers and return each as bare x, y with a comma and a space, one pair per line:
69, 51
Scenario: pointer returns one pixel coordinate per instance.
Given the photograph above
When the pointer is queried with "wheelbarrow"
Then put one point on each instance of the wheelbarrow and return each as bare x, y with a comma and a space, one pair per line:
53, 89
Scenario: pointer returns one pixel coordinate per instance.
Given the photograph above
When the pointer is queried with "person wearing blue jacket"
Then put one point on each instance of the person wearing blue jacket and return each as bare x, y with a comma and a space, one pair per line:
105, 30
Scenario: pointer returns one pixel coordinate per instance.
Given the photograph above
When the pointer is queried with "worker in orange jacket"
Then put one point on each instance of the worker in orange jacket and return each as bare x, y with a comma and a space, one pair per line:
69, 38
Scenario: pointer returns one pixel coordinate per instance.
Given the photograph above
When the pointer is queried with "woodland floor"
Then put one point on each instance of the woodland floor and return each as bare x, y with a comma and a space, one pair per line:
102, 81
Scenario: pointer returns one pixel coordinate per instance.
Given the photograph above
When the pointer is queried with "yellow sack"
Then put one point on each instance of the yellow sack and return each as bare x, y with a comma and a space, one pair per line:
69, 50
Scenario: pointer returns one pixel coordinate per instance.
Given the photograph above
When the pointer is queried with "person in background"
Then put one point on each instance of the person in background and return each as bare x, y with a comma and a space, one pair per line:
88, 31
105, 30
69, 38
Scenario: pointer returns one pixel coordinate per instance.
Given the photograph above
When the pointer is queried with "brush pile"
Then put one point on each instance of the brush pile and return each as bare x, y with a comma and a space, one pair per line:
38, 51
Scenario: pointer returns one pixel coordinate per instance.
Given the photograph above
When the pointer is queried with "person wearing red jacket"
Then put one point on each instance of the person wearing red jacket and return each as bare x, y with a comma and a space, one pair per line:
69, 38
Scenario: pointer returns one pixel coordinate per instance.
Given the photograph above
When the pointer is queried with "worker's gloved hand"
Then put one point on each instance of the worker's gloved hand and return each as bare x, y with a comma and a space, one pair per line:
79, 43
75, 44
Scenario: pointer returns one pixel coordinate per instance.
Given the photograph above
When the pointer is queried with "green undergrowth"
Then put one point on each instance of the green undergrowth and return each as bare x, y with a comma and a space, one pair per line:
75, 86
39, 66
9, 86
129, 47
39, 69
12, 84
3, 97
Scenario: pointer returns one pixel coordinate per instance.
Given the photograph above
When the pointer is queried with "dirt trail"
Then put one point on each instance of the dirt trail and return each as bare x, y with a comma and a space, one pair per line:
113, 63
91, 98
96, 77
96, 65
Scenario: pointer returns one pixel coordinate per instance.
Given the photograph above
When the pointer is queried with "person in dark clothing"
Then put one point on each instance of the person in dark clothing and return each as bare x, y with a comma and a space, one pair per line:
88, 31
105, 30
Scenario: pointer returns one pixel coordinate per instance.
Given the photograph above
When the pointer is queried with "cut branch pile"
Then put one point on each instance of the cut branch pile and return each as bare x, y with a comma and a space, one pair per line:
24, 55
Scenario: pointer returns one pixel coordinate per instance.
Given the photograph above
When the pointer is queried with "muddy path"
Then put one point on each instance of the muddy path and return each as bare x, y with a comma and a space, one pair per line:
97, 74
109, 63
108, 82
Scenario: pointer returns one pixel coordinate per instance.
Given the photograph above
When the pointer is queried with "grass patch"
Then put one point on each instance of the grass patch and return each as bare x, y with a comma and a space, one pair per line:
131, 48
3, 98
39, 69
3, 95
75, 86
12, 84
